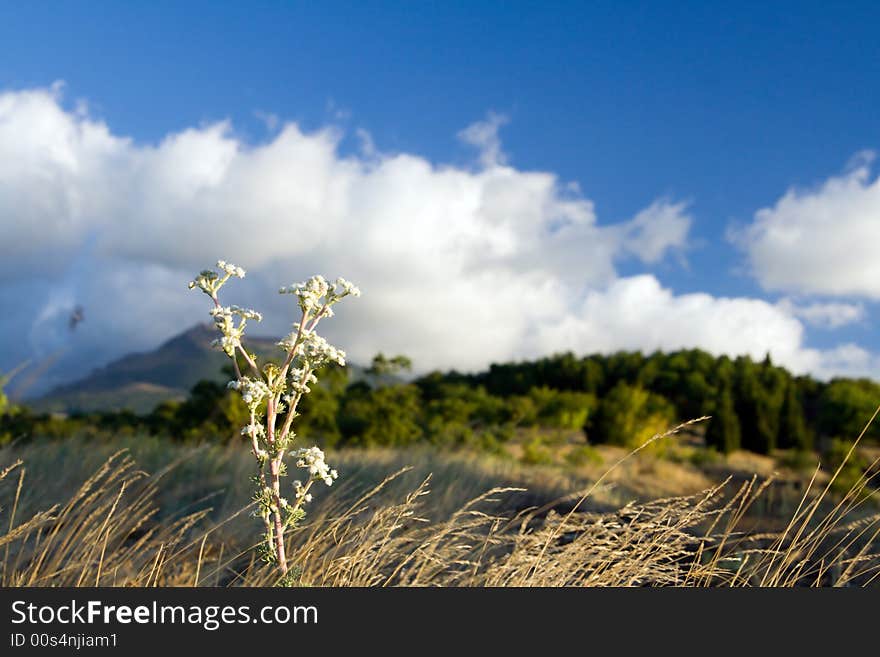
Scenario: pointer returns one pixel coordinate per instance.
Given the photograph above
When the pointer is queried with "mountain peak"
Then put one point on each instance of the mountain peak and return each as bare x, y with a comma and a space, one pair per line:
139, 381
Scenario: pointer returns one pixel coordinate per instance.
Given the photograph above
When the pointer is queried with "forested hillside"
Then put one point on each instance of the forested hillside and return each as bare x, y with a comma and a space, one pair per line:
620, 399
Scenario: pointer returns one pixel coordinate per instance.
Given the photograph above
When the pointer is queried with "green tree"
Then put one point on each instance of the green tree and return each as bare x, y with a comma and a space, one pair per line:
320, 408
562, 409
211, 410
629, 415
793, 432
723, 431
449, 421
846, 405
383, 366
683, 378
774, 383
390, 415
755, 412
520, 411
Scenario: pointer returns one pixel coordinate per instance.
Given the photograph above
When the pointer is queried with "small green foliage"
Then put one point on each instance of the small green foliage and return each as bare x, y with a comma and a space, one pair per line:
6, 407
851, 462
703, 457
535, 452
799, 460
581, 455
292, 578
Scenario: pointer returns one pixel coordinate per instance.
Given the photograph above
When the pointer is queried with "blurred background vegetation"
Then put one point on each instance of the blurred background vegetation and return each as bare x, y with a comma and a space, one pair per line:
621, 399
553, 429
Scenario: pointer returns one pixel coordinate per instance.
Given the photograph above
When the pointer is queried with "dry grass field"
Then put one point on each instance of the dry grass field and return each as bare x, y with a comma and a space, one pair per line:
148, 512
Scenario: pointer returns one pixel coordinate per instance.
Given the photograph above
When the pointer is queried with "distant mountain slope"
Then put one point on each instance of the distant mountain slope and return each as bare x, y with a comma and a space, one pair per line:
142, 380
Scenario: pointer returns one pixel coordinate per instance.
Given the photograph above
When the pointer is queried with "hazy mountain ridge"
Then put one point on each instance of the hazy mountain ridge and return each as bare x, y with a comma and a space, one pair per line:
139, 381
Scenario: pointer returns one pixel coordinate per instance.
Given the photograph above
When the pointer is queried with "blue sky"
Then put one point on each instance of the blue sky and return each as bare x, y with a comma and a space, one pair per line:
717, 111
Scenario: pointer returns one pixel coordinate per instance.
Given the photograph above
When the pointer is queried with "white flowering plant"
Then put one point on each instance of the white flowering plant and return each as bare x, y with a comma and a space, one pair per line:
272, 394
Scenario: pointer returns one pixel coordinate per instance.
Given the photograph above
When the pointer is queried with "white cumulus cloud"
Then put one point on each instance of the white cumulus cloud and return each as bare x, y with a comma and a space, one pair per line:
459, 267
822, 240
830, 315
484, 136
636, 312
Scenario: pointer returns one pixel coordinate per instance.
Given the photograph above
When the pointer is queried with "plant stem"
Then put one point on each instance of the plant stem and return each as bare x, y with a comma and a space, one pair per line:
275, 481
279, 525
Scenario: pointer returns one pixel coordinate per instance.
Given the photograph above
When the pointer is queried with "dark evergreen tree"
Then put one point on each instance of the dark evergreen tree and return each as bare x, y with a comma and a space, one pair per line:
774, 384
723, 431
756, 409
745, 397
793, 432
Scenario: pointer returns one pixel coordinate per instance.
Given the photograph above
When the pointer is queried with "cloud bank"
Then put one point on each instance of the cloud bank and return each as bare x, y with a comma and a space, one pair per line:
829, 315
822, 240
460, 266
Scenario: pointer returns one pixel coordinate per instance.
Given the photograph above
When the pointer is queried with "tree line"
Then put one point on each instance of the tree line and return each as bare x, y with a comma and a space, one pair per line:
621, 399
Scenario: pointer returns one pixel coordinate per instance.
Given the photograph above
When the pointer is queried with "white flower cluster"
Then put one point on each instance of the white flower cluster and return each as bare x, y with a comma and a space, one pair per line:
209, 281
230, 339
310, 293
238, 311
246, 313
289, 341
300, 384
253, 430
252, 391
312, 458
346, 288
300, 491
316, 351
223, 320
205, 281
316, 294
227, 344
230, 269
